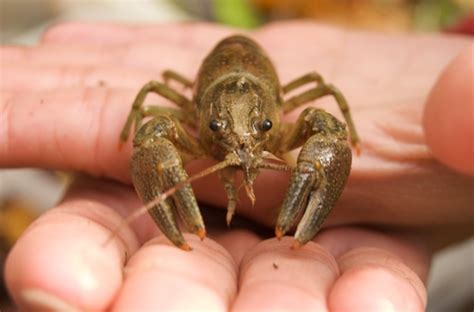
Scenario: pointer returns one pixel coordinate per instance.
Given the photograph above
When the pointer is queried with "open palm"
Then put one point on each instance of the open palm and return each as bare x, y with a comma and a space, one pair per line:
64, 102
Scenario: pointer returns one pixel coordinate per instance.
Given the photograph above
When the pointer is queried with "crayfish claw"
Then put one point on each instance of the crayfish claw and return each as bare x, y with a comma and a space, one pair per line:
228, 217
279, 233
201, 233
296, 245
185, 246
321, 172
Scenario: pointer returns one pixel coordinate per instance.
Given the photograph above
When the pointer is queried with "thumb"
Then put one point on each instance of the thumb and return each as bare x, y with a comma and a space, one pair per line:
449, 114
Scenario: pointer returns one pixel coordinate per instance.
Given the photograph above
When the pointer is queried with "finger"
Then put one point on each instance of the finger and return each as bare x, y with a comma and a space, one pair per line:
378, 271
187, 34
143, 55
414, 252
22, 78
126, 46
273, 277
197, 39
318, 55
161, 277
321, 54
375, 280
239, 238
61, 263
152, 49
50, 66
449, 114
237, 241
395, 161
71, 129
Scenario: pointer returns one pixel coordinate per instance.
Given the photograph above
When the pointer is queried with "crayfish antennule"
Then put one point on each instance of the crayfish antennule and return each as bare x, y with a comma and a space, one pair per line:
201, 233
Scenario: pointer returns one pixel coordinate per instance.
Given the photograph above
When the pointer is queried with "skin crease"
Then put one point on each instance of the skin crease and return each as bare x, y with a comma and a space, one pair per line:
82, 78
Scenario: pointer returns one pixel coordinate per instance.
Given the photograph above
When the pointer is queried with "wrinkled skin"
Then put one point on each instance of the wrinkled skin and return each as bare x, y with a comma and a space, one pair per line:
56, 114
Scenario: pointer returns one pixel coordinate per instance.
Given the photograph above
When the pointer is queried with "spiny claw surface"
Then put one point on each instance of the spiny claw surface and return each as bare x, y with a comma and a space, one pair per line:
320, 175
156, 167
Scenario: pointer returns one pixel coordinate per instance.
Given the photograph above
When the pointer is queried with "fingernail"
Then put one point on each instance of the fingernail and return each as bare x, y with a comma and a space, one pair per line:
374, 288
33, 299
375, 257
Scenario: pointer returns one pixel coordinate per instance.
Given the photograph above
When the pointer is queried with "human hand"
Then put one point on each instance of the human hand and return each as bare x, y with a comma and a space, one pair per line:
74, 91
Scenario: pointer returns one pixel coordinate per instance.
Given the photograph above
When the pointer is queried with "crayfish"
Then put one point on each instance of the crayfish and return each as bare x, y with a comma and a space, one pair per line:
236, 111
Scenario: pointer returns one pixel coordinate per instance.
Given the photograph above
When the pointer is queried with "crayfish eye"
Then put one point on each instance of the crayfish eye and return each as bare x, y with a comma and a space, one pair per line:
158, 129
215, 125
266, 125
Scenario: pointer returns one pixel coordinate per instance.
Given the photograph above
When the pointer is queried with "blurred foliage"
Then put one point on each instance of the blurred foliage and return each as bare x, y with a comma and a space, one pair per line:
368, 14
15, 216
437, 14
385, 15
238, 13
